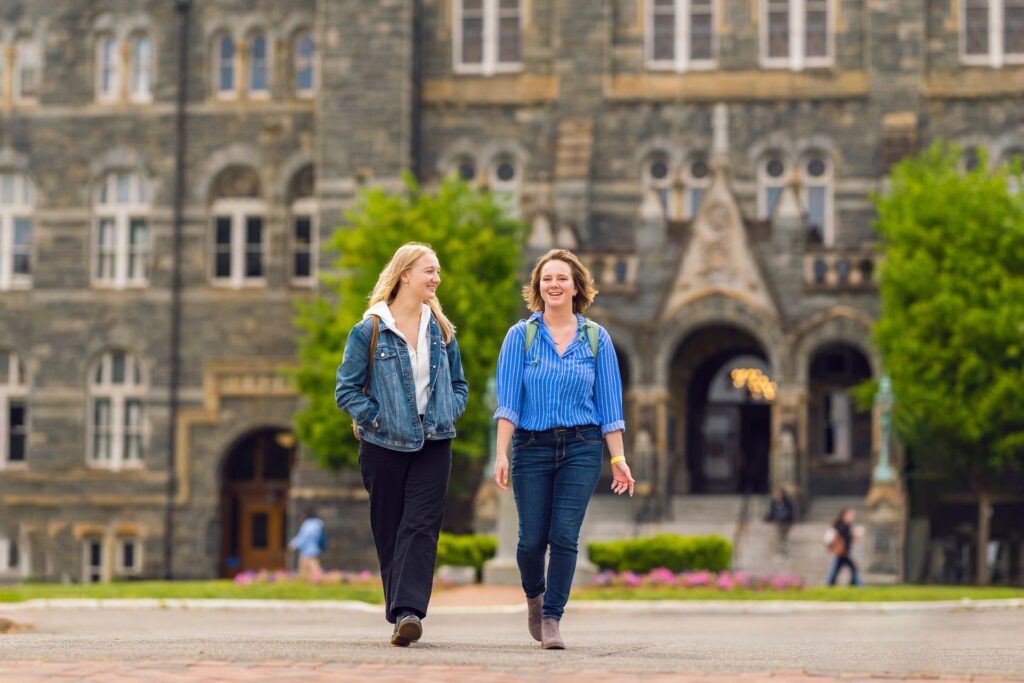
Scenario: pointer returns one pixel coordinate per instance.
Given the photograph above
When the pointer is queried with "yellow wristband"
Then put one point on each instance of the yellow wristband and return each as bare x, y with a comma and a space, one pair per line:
618, 458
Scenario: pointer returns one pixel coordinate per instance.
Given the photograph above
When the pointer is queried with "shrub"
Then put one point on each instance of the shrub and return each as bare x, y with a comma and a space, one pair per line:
469, 550
676, 553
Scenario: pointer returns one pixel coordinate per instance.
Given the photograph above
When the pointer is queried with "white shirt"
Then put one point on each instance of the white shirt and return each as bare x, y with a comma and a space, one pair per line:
420, 358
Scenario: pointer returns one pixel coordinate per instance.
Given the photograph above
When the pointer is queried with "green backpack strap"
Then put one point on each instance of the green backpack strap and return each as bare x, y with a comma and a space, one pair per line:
589, 327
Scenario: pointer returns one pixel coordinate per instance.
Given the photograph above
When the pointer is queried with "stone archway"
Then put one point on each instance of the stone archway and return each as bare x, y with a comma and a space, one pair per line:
255, 477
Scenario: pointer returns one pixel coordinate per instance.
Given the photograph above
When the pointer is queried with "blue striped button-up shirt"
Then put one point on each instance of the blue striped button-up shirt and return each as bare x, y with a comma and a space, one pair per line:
542, 390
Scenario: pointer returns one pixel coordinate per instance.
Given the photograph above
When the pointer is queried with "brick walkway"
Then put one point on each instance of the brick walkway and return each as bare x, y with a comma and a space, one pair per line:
226, 672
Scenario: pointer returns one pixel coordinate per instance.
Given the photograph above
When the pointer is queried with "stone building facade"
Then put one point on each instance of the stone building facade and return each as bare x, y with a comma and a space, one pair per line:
711, 159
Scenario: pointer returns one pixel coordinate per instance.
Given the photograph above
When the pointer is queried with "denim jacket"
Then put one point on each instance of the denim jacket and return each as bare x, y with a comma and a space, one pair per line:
388, 417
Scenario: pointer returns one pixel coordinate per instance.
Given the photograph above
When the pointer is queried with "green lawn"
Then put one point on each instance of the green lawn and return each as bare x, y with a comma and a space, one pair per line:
371, 593
194, 590
822, 593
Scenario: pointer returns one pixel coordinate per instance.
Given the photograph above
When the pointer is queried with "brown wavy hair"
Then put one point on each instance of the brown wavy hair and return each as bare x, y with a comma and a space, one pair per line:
581, 277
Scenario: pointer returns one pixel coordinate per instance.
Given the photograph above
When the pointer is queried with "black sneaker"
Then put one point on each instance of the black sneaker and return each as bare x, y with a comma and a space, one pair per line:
408, 630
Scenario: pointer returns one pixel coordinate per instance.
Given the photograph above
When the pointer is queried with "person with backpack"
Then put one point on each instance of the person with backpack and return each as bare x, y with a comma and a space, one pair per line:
402, 382
839, 541
310, 542
559, 402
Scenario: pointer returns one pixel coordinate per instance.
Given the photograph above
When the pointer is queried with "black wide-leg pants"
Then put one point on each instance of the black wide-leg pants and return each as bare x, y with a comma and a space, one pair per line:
408, 494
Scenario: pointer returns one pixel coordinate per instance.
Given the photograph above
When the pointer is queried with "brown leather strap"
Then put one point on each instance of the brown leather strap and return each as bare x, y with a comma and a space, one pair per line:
373, 350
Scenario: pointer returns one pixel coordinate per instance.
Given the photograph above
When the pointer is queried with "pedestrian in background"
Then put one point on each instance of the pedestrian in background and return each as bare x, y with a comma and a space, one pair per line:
780, 513
559, 402
840, 540
401, 380
309, 542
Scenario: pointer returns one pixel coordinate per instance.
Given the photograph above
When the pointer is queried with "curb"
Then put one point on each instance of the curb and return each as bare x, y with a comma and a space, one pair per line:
646, 606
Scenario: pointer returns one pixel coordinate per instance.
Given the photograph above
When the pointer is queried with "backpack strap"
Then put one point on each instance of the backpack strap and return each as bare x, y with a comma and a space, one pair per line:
589, 326
593, 335
373, 350
531, 333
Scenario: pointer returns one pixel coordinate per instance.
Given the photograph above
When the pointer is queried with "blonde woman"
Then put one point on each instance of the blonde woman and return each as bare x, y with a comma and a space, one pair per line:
559, 397
401, 381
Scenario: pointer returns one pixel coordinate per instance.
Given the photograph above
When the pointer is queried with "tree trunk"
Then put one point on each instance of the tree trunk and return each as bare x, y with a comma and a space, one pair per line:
984, 531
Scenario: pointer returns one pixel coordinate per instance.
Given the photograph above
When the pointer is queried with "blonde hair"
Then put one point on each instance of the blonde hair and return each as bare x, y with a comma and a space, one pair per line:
585, 290
389, 282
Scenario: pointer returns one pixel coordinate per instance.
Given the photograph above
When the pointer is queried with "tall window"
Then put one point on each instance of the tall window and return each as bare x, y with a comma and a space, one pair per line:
698, 179
816, 182
771, 178
93, 566
128, 559
488, 36
142, 68
122, 232
992, 32
13, 410
304, 240
680, 34
796, 33
657, 177
505, 182
224, 66
27, 70
259, 65
1015, 156
108, 69
116, 393
17, 205
305, 64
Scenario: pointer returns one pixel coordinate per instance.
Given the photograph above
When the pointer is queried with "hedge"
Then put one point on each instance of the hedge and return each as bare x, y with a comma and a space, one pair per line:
468, 550
678, 553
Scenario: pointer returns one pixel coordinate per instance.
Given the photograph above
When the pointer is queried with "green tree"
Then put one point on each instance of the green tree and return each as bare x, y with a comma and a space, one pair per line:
478, 246
952, 326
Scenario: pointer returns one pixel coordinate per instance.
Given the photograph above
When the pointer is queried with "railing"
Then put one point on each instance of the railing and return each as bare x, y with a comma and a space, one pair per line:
841, 270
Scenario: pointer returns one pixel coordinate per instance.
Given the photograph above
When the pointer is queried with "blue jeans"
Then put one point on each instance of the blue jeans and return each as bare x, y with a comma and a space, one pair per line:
554, 473
837, 563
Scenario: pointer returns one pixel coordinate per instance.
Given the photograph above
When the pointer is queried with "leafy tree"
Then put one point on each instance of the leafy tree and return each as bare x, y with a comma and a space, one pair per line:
478, 246
952, 326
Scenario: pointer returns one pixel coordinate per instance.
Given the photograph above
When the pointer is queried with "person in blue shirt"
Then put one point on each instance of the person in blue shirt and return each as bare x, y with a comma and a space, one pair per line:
559, 404
309, 541
404, 401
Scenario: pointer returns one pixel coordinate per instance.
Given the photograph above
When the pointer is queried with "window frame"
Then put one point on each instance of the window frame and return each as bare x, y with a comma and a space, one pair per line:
116, 67
507, 192
250, 65
23, 567
305, 207
997, 56
238, 209
14, 389
682, 45
133, 68
297, 66
827, 181
489, 64
118, 395
123, 215
796, 58
217, 64
29, 43
691, 182
101, 572
119, 568
21, 208
766, 181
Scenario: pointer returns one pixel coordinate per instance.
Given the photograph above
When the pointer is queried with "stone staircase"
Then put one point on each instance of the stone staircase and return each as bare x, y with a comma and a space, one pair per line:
612, 517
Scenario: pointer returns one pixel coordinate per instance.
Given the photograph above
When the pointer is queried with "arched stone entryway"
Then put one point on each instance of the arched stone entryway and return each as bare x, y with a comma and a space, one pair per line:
719, 435
254, 501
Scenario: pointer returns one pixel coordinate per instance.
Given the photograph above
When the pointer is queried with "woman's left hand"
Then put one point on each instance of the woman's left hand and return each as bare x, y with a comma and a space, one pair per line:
622, 480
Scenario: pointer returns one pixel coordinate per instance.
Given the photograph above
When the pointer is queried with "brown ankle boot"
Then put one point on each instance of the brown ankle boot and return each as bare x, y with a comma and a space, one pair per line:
550, 638
533, 614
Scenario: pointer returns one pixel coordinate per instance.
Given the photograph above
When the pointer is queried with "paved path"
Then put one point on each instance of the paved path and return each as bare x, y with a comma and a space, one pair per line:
634, 644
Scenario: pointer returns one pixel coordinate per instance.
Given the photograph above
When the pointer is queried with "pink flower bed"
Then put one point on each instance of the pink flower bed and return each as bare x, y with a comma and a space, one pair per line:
333, 577
725, 581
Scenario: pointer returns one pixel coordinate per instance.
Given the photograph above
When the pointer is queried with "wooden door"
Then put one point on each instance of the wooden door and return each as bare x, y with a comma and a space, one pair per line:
262, 539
